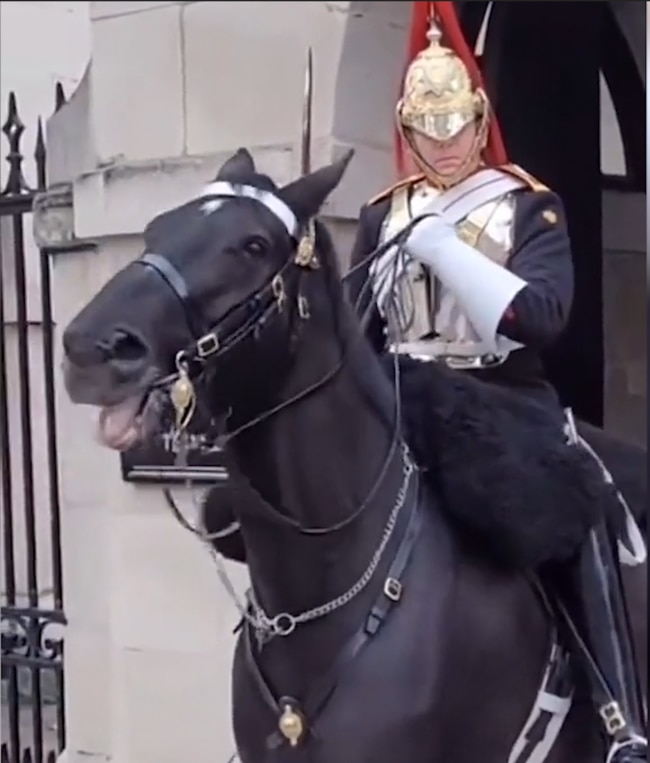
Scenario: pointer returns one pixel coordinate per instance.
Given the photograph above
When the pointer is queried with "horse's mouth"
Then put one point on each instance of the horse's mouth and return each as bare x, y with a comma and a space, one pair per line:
134, 420
120, 426
130, 411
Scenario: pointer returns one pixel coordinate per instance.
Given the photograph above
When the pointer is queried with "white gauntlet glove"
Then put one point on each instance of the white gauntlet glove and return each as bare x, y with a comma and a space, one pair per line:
482, 288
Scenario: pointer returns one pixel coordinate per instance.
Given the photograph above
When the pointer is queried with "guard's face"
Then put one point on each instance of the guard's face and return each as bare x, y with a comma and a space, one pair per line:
446, 157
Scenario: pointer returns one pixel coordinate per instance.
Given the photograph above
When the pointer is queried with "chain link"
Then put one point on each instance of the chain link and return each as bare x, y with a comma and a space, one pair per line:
283, 624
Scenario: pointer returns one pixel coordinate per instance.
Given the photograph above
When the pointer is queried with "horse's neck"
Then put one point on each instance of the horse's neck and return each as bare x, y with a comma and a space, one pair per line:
317, 462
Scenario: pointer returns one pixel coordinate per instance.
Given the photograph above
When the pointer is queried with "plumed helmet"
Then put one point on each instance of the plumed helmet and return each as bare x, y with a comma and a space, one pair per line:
443, 93
439, 98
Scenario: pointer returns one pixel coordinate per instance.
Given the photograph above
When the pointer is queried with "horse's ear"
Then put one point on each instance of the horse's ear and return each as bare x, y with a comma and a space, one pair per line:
236, 168
306, 195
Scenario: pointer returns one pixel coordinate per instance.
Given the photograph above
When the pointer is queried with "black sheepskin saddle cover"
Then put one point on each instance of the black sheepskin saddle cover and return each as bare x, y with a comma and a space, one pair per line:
508, 479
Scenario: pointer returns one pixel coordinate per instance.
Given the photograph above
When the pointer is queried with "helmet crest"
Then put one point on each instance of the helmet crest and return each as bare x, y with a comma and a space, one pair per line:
439, 98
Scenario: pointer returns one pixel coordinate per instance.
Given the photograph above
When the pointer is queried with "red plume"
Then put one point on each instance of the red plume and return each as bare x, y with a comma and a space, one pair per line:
420, 20
452, 34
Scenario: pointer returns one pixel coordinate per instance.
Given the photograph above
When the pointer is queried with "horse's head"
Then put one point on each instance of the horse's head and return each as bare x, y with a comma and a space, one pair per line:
220, 274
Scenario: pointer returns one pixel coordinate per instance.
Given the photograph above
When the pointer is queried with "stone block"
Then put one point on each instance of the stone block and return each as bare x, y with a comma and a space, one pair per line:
165, 594
120, 201
624, 217
107, 10
137, 85
626, 415
245, 67
88, 695
370, 69
170, 707
88, 578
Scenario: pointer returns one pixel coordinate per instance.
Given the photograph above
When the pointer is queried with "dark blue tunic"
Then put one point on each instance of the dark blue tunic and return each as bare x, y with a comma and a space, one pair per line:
541, 256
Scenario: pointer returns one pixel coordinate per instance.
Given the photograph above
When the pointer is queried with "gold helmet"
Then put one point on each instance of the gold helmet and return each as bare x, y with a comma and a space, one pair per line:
439, 99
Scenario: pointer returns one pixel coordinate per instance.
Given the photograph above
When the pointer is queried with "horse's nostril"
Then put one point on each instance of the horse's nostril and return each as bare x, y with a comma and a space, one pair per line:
123, 345
80, 348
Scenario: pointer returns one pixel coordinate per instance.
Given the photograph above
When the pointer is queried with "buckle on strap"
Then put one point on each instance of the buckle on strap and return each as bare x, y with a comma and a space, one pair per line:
393, 589
612, 717
207, 345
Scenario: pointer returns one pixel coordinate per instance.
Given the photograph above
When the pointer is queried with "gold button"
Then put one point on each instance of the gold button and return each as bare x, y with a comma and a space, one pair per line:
550, 216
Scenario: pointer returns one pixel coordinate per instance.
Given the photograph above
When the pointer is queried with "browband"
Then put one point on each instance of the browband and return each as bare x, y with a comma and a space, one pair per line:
272, 202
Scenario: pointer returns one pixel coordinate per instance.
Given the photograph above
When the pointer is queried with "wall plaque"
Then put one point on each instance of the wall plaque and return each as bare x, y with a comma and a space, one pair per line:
155, 461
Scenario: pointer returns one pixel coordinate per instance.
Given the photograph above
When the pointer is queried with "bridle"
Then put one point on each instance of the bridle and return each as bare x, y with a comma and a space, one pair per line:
244, 320
247, 320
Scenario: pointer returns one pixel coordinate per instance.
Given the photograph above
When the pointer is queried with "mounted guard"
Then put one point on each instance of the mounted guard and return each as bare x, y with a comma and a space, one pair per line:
371, 630
483, 283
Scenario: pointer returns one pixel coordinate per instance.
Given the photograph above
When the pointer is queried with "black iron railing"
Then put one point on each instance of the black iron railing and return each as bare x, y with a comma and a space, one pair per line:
33, 727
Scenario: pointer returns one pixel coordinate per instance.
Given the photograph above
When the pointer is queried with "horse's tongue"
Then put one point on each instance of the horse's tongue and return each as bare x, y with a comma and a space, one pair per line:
117, 426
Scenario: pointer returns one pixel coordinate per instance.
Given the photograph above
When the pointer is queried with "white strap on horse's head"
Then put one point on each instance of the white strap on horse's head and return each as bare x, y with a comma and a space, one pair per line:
215, 194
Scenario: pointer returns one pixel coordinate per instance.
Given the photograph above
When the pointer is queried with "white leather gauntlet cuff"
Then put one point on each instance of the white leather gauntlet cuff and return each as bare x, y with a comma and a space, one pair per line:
483, 289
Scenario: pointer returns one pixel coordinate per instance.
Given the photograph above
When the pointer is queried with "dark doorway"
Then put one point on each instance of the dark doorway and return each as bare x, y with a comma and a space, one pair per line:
542, 63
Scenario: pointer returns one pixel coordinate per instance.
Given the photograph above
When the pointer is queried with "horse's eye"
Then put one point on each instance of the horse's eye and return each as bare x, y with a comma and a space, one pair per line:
255, 246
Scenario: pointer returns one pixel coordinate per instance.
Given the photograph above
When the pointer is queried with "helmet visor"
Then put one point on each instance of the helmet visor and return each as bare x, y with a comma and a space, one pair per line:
440, 127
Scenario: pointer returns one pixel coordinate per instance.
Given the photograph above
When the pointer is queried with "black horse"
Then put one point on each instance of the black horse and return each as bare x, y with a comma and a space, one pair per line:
377, 631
